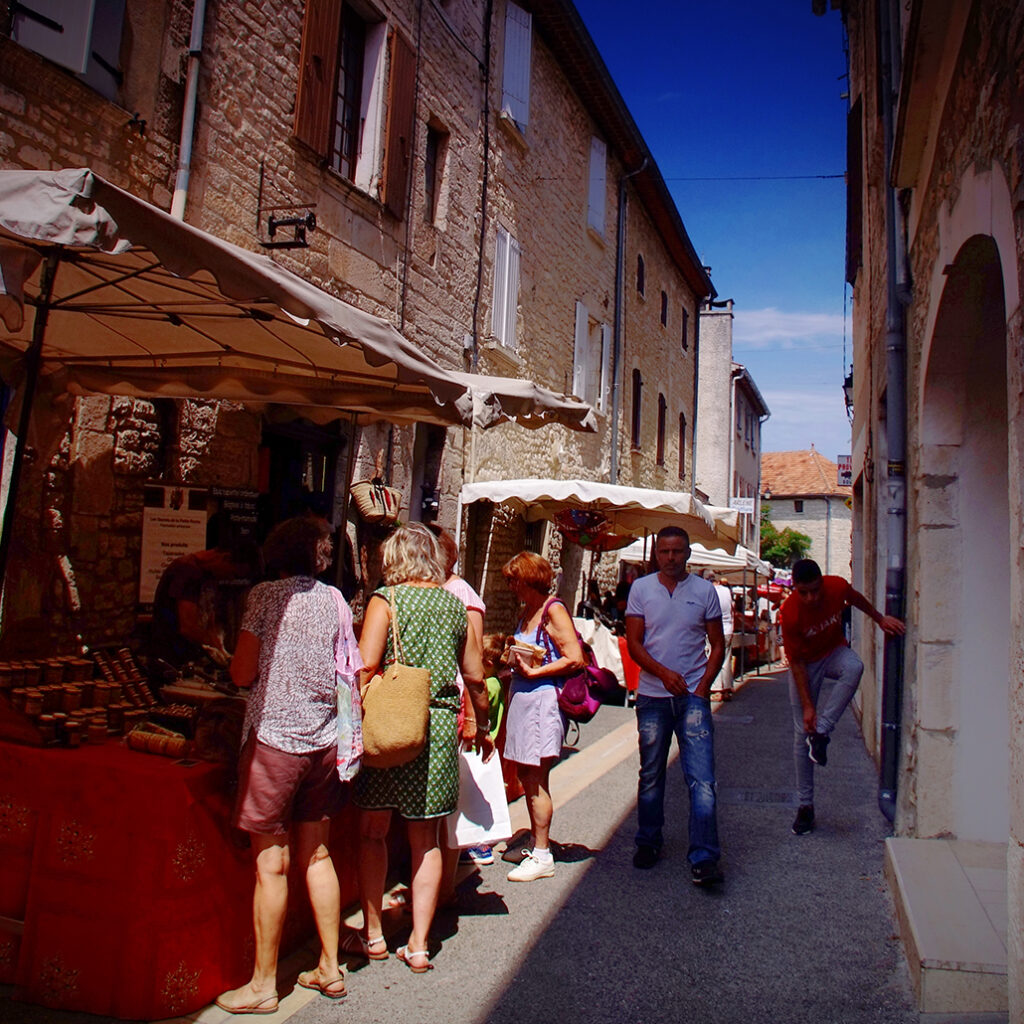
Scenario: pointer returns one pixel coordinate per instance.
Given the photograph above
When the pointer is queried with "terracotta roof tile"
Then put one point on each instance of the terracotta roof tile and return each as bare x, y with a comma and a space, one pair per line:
796, 474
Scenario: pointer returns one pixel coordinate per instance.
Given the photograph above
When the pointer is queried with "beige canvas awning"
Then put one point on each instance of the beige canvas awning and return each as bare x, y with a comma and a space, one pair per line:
629, 510
142, 304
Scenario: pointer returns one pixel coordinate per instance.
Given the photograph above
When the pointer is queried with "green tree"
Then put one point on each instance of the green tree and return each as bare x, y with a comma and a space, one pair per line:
781, 547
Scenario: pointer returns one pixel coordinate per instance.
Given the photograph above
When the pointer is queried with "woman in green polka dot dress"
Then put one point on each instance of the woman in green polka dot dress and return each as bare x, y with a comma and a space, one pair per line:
431, 634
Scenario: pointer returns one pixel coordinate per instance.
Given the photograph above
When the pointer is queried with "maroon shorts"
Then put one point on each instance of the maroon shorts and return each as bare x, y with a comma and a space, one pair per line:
276, 788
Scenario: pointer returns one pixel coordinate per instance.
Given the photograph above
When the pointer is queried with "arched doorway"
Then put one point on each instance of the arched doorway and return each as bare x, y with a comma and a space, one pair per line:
964, 571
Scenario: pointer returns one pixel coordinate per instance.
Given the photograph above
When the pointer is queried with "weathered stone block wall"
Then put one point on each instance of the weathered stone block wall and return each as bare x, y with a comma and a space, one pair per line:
714, 419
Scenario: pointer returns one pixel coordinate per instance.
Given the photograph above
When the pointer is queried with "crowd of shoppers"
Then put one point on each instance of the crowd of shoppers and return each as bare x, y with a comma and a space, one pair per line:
298, 653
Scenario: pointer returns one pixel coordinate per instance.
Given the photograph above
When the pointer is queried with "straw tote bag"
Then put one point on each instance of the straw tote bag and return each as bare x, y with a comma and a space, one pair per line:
377, 503
396, 708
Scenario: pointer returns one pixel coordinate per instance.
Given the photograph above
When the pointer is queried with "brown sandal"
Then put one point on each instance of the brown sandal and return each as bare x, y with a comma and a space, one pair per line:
310, 979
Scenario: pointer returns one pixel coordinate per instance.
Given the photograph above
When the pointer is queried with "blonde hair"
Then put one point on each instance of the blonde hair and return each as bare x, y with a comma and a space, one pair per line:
412, 553
493, 649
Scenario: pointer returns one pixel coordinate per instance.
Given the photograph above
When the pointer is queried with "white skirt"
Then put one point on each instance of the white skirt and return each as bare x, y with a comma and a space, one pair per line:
534, 726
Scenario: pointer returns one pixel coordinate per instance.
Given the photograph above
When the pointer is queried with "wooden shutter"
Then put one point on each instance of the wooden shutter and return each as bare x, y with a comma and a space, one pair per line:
500, 278
596, 191
318, 71
401, 112
515, 97
606, 366
579, 354
511, 293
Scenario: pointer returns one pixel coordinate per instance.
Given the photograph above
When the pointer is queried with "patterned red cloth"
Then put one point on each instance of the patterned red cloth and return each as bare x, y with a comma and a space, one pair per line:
135, 892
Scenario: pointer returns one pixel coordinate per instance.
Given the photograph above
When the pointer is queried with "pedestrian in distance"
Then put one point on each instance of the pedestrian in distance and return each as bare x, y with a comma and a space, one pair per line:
723, 689
816, 648
669, 615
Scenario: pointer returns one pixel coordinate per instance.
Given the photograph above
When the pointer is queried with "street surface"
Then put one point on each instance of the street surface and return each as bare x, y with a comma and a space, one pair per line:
801, 931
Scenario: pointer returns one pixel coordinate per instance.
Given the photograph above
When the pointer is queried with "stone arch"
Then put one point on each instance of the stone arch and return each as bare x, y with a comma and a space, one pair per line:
962, 498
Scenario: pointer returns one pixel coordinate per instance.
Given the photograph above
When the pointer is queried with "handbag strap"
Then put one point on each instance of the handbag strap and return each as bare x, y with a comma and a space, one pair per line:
396, 648
585, 648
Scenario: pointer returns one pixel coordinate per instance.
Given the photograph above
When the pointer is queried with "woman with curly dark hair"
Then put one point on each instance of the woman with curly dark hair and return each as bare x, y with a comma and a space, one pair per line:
289, 786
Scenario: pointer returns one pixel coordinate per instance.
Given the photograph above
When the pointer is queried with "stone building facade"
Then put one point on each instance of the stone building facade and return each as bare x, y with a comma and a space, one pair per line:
936, 260
467, 187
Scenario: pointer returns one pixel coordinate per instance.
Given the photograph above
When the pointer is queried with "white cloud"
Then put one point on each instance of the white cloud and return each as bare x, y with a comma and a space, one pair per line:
801, 418
776, 328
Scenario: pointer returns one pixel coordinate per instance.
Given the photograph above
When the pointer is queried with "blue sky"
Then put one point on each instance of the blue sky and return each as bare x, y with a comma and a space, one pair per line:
752, 90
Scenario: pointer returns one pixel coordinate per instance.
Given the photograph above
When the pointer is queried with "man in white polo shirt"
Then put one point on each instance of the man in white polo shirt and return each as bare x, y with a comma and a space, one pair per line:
668, 616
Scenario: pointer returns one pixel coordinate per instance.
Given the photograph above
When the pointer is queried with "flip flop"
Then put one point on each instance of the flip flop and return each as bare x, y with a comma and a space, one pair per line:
264, 1006
308, 979
354, 944
416, 960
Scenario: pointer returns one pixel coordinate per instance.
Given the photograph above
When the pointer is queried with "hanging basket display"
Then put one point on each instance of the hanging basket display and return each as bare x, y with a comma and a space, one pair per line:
581, 526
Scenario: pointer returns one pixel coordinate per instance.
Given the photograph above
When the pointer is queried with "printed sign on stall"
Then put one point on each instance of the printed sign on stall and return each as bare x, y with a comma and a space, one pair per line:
845, 464
170, 528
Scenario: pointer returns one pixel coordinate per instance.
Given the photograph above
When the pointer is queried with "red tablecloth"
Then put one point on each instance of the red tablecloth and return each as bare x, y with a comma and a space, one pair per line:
135, 893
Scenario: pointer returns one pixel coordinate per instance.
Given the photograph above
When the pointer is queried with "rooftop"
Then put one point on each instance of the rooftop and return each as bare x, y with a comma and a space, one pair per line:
800, 474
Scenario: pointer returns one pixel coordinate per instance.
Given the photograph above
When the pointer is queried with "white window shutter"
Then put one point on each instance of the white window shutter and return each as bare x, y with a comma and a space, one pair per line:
606, 366
500, 278
71, 44
579, 355
597, 184
512, 292
515, 97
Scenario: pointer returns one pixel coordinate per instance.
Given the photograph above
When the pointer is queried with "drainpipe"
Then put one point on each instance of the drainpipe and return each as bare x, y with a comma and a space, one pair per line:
620, 261
188, 114
895, 423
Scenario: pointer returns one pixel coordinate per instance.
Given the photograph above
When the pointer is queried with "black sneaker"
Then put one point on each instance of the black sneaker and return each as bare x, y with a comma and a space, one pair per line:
804, 820
817, 748
646, 857
706, 873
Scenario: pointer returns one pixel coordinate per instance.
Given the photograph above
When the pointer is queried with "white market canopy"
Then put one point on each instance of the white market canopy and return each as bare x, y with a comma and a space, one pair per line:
739, 567
134, 302
629, 510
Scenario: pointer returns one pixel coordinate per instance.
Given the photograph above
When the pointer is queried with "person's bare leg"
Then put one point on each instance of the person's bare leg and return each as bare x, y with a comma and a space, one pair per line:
269, 903
373, 868
311, 838
426, 879
449, 870
538, 800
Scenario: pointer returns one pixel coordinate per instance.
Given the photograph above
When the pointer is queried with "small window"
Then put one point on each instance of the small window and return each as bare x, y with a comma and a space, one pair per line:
682, 446
798, 506
591, 359
597, 185
686, 328
433, 165
660, 450
640, 273
638, 386
506, 288
664, 309
515, 86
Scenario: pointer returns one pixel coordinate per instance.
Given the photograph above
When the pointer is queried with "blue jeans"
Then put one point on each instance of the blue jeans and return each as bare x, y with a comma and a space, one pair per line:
845, 667
689, 717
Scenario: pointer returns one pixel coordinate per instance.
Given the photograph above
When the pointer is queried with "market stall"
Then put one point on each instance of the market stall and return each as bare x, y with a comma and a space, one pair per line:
127, 895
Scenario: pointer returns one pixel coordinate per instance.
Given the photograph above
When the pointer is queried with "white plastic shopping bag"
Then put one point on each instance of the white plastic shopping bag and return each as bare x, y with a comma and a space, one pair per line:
482, 815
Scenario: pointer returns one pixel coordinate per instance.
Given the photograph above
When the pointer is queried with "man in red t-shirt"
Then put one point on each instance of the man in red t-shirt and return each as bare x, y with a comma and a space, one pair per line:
812, 632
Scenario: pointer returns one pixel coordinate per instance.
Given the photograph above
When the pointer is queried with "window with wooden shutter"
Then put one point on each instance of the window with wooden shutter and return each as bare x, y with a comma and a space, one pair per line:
682, 446
659, 456
580, 348
515, 86
638, 387
83, 36
597, 184
318, 68
401, 112
506, 288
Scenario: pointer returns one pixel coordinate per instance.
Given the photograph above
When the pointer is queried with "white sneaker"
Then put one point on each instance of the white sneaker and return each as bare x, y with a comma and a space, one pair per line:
531, 868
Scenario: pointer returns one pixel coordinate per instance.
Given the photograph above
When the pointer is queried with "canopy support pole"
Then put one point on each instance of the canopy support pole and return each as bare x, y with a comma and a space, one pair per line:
33, 364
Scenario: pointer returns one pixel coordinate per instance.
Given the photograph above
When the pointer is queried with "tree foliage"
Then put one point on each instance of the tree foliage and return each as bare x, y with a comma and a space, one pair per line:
781, 547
